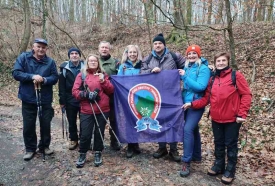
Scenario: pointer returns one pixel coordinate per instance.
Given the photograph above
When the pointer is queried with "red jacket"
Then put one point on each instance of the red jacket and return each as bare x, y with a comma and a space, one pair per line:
105, 89
226, 101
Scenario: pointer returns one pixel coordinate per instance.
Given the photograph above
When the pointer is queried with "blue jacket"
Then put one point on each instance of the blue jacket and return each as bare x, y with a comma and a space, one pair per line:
195, 81
25, 67
127, 68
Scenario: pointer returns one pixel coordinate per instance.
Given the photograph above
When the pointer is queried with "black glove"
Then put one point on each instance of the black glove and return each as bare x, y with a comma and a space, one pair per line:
92, 96
83, 94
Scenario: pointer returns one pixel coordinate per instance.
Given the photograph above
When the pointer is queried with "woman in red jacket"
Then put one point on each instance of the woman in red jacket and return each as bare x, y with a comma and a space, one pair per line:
229, 108
92, 87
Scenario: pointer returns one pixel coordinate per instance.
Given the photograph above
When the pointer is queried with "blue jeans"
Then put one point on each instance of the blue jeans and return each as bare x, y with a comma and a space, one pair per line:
192, 138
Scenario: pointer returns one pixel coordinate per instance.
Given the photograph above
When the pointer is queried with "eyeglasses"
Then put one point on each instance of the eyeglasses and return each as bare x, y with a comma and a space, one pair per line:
92, 61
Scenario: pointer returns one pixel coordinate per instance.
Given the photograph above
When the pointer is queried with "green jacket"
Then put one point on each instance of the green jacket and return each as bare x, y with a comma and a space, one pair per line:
109, 66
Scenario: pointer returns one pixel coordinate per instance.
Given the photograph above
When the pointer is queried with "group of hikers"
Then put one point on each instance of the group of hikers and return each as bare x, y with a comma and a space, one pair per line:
85, 90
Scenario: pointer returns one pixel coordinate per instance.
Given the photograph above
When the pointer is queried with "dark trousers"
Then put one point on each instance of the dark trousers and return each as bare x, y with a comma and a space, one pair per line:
72, 112
173, 146
112, 119
88, 128
29, 113
226, 136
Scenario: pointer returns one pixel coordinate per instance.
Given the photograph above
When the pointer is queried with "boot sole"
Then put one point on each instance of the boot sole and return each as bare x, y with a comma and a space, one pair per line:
212, 174
97, 164
79, 166
185, 175
227, 182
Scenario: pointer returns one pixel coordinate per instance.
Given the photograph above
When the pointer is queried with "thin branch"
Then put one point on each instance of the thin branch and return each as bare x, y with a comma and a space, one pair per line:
66, 34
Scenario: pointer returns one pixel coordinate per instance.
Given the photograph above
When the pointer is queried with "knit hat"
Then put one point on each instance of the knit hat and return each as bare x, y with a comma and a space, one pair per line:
74, 49
160, 38
195, 48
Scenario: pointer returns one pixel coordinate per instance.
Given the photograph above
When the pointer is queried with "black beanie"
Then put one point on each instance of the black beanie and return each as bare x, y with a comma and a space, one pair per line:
160, 38
74, 49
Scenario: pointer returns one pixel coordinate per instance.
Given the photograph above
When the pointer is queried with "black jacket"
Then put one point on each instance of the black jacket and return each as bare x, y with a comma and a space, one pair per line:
66, 83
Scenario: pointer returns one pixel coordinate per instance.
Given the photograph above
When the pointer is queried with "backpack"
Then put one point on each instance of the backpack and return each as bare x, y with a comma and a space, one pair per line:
65, 64
174, 56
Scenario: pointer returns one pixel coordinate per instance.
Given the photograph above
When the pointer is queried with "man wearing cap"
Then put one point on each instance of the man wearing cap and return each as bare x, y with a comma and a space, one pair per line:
163, 59
110, 66
68, 72
36, 67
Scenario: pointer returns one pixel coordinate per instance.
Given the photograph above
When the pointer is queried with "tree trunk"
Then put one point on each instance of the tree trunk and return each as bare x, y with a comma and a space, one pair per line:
44, 16
270, 11
209, 12
83, 11
71, 13
177, 13
234, 64
218, 20
27, 28
256, 11
189, 12
99, 13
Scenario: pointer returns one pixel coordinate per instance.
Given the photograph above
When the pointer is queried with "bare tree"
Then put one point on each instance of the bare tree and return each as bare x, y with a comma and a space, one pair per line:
209, 12
230, 34
27, 27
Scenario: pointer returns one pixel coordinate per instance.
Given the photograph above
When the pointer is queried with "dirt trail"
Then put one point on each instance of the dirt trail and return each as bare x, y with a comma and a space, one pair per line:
59, 169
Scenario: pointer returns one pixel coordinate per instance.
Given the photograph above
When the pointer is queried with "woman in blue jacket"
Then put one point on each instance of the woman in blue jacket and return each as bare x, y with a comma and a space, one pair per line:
130, 65
195, 77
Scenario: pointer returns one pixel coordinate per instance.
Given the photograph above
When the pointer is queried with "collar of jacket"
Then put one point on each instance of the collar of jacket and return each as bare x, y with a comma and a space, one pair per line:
130, 63
31, 55
224, 72
166, 51
110, 61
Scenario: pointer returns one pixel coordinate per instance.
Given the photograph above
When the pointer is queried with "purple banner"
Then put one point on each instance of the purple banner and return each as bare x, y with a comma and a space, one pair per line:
148, 107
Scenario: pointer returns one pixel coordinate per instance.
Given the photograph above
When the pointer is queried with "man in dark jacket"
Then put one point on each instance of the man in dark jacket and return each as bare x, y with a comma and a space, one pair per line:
68, 72
30, 68
162, 59
110, 66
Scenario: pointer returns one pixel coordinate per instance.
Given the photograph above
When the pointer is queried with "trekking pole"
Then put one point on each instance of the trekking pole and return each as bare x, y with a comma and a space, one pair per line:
66, 123
97, 125
37, 87
108, 123
62, 110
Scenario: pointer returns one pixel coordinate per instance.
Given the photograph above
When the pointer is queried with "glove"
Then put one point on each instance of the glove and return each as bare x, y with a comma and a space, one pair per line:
92, 96
84, 94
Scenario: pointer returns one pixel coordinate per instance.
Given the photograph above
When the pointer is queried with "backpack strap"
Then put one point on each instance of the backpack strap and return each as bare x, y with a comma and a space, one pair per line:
174, 56
149, 58
233, 78
63, 68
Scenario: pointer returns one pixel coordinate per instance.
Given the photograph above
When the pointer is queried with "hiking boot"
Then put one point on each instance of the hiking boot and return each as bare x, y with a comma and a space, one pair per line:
98, 159
228, 177
28, 156
115, 145
73, 145
137, 149
81, 160
215, 170
174, 154
185, 171
130, 152
48, 151
160, 152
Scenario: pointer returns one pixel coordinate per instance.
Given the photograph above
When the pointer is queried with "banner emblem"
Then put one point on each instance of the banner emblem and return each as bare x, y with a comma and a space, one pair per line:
145, 103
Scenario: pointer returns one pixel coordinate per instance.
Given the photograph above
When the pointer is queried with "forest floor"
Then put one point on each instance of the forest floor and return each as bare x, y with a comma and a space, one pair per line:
60, 169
